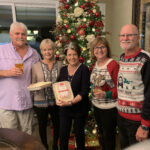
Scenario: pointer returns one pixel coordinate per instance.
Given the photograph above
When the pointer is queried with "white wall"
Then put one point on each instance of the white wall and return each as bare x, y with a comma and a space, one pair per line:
118, 13
122, 14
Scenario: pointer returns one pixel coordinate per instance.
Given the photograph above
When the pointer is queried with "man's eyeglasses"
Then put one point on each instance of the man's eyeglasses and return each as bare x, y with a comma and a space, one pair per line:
127, 35
100, 48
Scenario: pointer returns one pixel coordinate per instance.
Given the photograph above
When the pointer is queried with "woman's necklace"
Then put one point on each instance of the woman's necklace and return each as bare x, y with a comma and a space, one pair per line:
71, 72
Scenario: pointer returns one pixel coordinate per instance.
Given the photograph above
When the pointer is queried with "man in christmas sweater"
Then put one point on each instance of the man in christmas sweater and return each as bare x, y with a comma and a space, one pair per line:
133, 89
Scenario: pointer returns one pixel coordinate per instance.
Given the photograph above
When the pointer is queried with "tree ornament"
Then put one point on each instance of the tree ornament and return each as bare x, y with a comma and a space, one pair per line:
69, 31
81, 32
81, 59
66, 26
82, 6
99, 23
89, 61
94, 131
93, 29
90, 69
57, 57
94, 10
84, 48
57, 52
84, 19
65, 21
91, 23
76, 3
67, 6
72, 37
57, 37
96, 14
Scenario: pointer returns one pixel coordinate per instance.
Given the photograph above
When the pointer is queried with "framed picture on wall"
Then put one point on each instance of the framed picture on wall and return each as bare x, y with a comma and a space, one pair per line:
141, 18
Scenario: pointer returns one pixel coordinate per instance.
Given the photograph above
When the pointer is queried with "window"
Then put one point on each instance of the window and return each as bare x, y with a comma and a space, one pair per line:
6, 20
40, 19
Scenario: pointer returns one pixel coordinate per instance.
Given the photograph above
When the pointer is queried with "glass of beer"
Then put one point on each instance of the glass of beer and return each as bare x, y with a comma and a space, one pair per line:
19, 64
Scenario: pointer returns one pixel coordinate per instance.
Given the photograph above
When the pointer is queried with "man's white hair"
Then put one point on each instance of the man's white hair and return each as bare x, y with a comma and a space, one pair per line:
18, 25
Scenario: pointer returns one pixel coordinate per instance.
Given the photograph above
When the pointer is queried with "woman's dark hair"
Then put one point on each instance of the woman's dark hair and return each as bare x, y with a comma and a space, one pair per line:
73, 46
95, 42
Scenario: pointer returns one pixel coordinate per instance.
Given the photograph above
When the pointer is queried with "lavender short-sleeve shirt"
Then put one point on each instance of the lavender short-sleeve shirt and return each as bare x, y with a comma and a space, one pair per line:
14, 94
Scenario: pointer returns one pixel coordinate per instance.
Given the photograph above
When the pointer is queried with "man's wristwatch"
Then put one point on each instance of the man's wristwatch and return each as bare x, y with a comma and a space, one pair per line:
144, 127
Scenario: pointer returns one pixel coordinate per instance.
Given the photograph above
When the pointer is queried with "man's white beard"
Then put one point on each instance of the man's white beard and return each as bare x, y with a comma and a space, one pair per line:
128, 46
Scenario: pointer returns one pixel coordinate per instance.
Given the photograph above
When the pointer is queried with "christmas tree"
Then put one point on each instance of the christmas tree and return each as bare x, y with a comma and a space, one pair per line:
81, 21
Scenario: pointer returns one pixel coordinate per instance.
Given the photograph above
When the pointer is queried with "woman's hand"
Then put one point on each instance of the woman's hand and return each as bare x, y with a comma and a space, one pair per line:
100, 95
63, 103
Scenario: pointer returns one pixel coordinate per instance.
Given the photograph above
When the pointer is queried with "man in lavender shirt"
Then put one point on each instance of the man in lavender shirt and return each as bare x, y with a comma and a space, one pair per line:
15, 99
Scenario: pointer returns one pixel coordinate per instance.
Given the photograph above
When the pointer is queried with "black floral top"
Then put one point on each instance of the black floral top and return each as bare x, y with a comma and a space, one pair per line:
50, 75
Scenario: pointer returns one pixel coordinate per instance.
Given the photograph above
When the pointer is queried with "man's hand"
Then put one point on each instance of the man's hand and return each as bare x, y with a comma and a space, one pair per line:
141, 134
14, 72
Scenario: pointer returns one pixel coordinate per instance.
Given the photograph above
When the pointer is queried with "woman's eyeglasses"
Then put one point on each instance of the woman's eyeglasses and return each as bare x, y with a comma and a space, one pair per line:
100, 48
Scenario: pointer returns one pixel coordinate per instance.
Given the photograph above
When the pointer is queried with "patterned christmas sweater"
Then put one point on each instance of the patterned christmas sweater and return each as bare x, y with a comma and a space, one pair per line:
105, 78
134, 87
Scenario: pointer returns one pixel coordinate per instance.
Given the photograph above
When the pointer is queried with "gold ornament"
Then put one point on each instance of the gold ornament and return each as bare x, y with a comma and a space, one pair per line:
94, 131
84, 48
68, 31
65, 21
57, 52
94, 10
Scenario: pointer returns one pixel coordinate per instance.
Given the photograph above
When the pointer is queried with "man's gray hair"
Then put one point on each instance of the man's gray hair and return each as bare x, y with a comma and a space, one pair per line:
18, 24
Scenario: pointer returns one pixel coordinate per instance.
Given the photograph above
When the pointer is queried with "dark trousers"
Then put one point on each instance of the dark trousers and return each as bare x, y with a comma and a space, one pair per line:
106, 120
127, 131
65, 128
42, 115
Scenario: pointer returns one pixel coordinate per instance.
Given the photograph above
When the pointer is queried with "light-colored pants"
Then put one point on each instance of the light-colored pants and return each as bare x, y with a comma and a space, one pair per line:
21, 120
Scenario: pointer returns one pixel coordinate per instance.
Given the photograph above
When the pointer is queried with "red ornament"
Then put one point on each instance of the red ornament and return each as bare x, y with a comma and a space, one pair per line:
67, 6
84, 26
67, 41
79, 27
57, 57
60, 27
90, 69
96, 14
90, 11
87, 4
82, 6
81, 32
91, 23
81, 59
66, 26
91, 4
72, 37
57, 37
